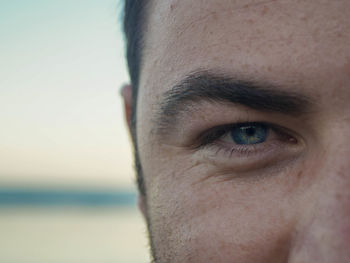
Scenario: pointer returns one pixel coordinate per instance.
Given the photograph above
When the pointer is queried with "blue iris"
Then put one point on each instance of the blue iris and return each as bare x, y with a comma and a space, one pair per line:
249, 133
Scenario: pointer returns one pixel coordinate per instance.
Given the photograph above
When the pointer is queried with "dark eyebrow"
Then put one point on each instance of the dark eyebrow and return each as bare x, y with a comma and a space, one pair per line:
205, 86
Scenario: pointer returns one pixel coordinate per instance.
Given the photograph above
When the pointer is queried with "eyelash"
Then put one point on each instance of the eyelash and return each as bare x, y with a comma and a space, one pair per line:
211, 140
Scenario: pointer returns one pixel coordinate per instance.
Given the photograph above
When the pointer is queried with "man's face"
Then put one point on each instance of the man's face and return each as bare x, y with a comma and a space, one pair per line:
243, 129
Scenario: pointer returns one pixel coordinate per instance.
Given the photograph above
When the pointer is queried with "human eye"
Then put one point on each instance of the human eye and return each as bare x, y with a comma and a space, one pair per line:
247, 142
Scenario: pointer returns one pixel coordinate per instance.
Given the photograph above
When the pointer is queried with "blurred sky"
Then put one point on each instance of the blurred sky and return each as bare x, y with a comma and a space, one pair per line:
61, 68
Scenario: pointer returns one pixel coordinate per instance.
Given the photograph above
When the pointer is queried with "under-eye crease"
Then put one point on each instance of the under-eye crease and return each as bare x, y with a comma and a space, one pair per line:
247, 138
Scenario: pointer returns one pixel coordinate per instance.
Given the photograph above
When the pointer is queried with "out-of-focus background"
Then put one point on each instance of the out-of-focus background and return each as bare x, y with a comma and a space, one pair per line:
67, 189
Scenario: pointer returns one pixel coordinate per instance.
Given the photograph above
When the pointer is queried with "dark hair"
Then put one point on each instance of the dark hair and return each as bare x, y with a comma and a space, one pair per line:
134, 21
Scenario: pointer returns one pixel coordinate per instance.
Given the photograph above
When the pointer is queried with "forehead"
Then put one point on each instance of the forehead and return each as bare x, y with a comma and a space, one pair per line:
283, 40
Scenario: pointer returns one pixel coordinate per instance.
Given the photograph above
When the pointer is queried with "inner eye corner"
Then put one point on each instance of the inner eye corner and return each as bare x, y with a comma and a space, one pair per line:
292, 139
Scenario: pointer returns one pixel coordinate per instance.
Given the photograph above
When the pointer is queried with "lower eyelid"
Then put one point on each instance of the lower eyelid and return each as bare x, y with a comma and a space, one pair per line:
243, 159
245, 150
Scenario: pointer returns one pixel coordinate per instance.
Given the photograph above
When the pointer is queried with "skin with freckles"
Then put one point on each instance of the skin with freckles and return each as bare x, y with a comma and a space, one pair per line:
285, 199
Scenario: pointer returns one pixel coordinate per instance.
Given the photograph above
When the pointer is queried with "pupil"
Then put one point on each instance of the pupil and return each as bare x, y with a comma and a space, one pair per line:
250, 131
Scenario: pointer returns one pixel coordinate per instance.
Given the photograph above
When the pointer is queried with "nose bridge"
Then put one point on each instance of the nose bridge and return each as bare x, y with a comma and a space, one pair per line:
324, 227
333, 195
334, 164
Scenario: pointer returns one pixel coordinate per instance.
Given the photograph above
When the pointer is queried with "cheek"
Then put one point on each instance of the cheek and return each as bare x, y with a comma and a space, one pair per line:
225, 221
223, 236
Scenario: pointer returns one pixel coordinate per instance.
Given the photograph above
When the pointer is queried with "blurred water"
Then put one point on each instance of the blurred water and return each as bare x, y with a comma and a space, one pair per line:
50, 197
72, 234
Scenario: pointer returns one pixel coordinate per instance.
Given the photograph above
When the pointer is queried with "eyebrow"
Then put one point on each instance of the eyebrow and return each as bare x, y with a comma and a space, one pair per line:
206, 86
